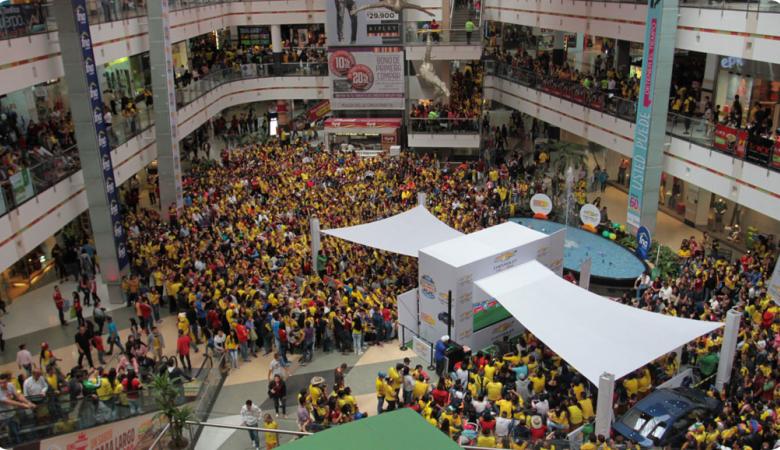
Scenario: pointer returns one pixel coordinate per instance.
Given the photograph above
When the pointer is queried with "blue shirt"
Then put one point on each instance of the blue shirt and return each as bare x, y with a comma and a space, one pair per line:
439, 350
112, 329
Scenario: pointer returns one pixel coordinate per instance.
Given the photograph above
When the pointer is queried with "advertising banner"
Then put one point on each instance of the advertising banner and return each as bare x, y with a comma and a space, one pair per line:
776, 155
643, 243
18, 20
760, 150
21, 184
346, 26
318, 111
730, 140
104, 148
366, 77
137, 432
652, 109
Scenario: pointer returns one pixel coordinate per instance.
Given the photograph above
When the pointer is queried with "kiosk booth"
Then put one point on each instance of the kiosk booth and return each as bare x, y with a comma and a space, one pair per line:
361, 134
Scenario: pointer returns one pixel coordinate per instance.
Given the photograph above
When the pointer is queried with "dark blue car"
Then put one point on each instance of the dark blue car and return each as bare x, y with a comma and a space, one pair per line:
663, 417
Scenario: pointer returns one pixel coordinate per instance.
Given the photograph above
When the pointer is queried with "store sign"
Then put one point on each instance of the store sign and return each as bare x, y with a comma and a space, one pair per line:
375, 26
760, 150
22, 187
366, 78
730, 140
104, 148
730, 62
650, 127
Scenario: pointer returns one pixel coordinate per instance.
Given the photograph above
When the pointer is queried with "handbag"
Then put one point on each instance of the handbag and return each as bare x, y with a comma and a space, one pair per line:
73, 312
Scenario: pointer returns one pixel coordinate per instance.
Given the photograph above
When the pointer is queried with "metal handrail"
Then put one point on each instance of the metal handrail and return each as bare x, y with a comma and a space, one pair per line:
246, 428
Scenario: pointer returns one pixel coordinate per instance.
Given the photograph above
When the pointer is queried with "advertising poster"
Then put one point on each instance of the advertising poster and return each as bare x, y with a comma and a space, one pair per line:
347, 24
104, 148
730, 140
18, 20
759, 150
136, 432
366, 77
318, 111
21, 184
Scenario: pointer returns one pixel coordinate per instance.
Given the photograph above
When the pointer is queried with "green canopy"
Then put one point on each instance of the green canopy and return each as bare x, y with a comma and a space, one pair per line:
401, 429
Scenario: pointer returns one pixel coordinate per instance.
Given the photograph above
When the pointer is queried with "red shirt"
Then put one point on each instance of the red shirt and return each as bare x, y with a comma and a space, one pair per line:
97, 341
183, 345
440, 397
58, 301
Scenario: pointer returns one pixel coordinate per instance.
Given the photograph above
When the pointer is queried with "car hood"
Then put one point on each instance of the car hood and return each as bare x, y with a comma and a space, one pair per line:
623, 429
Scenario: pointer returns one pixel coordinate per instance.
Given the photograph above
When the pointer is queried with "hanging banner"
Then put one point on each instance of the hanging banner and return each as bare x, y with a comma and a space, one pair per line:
104, 148
730, 140
21, 184
366, 77
760, 150
643, 243
376, 26
652, 109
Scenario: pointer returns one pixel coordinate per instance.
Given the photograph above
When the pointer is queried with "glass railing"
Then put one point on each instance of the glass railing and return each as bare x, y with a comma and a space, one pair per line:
444, 125
46, 168
63, 413
757, 149
755, 6
196, 89
102, 11
416, 33
23, 20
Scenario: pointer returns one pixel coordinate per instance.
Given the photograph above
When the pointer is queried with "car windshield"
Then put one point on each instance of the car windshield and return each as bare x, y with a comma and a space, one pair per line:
645, 424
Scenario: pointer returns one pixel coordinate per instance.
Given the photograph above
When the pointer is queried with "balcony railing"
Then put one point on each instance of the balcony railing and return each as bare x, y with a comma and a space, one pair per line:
196, 89
465, 125
760, 150
417, 34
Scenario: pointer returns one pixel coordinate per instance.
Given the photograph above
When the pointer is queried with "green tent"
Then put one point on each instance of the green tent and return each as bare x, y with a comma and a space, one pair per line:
401, 429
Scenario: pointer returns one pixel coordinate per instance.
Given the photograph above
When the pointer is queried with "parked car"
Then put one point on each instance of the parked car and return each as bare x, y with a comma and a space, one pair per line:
663, 417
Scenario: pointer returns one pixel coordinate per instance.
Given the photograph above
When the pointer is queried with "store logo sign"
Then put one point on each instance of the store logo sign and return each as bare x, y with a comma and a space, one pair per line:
730, 62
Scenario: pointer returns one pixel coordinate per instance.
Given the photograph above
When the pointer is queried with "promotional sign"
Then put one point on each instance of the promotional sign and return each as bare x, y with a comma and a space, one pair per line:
21, 185
136, 432
318, 111
346, 26
541, 204
760, 150
643, 242
366, 77
590, 215
774, 284
652, 109
776, 155
730, 140
18, 20
104, 148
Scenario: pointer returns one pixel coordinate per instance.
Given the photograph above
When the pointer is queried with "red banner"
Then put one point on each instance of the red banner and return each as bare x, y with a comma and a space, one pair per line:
318, 111
730, 140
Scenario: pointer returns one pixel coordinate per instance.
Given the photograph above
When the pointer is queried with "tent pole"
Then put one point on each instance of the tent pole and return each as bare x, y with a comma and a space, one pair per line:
728, 348
422, 197
604, 404
449, 314
314, 229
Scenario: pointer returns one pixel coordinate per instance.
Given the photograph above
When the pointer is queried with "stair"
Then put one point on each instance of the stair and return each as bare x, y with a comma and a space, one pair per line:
460, 15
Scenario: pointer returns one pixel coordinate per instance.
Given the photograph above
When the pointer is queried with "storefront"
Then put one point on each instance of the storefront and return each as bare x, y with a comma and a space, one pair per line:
127, 76
753, 81
361, 134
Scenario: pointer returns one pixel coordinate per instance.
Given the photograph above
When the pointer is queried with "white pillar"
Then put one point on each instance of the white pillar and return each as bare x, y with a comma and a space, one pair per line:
728, 348
585, 273
314, 228
276, 38
422, 197
604, 404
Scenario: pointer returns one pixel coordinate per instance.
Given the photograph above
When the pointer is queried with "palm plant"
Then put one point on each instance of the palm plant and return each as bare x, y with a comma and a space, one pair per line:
166, 394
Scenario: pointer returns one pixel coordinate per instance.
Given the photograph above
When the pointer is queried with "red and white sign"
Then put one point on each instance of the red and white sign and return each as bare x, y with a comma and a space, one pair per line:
362, 123
366, 77
127, 434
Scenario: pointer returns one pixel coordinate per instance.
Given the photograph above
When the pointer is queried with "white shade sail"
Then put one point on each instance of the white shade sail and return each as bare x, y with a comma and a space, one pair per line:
592, 333
403, 233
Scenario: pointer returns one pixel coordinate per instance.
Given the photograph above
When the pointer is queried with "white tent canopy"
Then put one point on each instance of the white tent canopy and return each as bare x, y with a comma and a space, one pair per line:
592, 333
403, 233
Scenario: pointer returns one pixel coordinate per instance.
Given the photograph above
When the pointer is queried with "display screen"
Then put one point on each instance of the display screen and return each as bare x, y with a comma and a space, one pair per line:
272, 127
487, 313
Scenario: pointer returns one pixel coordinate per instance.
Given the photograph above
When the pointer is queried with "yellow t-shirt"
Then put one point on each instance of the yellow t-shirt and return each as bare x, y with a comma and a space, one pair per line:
494, 390
631, 385
420, 388
271, 438
490, 371
538, 383
486, 441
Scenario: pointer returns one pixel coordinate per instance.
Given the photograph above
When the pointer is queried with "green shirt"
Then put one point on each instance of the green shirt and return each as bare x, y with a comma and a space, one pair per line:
469, 26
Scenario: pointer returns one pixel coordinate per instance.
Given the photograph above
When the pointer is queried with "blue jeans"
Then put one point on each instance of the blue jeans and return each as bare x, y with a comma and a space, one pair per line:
254, 437
244, 351
380, 402
357, 342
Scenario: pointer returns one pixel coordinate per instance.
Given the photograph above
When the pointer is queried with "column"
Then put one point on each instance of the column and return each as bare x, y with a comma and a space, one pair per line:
579, 50
558, 55
623, 56
276, 46
728, 348
604, 405
652, 109
711, 66
87, 107
314, 229
165, 117
422, 199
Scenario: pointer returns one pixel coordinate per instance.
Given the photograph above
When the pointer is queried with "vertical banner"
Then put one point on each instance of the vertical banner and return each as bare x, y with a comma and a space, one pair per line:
643, 243
366, 77
347, 26
104, 149
585, 268
652, 110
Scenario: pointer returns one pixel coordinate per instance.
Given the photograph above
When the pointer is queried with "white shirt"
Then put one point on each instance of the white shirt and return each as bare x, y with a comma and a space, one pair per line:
665, 293
250, 416
502, 426
33, 388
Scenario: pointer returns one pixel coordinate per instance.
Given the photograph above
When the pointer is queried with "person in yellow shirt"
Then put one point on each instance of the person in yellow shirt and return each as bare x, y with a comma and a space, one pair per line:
490, 371
420, 388
487, 440
631, 384
271, 438
493, 389
379, 384
538, 381
391, 394
586, 405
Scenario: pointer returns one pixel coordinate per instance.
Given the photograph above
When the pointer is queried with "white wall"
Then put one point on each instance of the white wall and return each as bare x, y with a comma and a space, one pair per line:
441, 140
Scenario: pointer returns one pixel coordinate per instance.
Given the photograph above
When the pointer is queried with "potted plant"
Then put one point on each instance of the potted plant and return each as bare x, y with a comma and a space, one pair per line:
167, 393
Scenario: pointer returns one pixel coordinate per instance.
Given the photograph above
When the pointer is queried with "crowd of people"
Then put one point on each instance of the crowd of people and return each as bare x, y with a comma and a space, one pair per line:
460, 112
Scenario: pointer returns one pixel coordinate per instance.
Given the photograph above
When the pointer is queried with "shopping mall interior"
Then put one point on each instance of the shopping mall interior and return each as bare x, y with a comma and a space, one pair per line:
349, 224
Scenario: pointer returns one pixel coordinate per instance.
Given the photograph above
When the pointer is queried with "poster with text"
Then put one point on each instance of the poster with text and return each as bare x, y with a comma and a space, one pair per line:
366, 77
347, 26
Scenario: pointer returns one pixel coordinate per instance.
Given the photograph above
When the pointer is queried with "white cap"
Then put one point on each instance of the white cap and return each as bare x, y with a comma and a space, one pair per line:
445, 338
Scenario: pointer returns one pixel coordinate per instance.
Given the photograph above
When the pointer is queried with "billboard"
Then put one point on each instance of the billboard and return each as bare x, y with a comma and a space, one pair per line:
366, 77
346, 26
